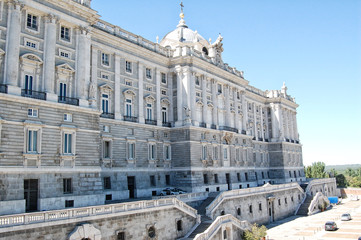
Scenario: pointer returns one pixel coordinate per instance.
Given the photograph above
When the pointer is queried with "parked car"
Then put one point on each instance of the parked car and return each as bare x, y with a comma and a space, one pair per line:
180, 191
330, 226
345, 217
171, 191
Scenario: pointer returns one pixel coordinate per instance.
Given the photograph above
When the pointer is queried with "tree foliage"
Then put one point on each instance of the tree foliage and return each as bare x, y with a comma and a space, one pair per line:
256, 232
316, 170
341, 180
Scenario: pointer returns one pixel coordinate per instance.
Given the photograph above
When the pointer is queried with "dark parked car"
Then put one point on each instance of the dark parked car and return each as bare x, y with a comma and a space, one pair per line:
330, 226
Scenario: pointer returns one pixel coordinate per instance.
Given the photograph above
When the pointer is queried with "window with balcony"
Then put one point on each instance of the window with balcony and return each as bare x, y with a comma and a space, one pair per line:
149, 111
105, 103
128, 107
62, 92
28, 88
164, 115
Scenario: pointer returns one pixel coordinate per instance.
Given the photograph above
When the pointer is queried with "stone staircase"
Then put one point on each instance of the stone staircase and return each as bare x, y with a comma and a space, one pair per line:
205, 220
305, 205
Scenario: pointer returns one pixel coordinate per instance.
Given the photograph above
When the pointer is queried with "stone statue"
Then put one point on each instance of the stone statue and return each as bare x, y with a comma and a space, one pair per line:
92, 91
187, 111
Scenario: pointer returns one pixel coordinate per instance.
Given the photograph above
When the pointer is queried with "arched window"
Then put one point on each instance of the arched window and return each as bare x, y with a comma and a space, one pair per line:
151, 232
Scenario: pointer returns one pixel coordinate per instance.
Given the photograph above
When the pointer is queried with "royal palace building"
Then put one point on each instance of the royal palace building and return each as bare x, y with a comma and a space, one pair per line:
92, 113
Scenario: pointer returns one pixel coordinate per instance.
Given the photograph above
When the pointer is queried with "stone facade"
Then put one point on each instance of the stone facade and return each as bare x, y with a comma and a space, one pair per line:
91, 113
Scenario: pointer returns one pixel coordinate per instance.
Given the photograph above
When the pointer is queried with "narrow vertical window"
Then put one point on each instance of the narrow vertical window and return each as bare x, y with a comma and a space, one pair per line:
32, 145
105, 59
105, 103
28, 84
65, 33
67, 186
164, 115
32, 22
62, 91
128, 67
67, 143
164, 78
128, 107
149, 111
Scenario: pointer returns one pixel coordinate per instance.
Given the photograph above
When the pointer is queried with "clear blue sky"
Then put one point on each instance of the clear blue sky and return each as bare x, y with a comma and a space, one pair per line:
313, 46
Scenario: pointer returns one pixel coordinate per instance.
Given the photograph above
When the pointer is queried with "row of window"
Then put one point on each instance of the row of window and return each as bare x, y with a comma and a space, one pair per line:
215, 176
33, 24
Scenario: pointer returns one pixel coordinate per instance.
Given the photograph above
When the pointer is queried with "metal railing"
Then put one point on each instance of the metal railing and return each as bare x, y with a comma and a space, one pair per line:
166, 124
150, 122
130, 119
68, 100
33, 94
226, 128
107, 115
203, 125
213, 126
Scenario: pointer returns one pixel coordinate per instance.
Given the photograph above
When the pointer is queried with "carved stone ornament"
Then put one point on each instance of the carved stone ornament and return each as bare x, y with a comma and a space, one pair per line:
85, 231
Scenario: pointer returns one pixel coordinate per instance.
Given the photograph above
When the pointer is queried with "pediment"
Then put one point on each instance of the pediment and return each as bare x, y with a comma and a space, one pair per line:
65, 67
106, 86
129, 92
209, 104
165, 101
199, 102
149, 98
32, 58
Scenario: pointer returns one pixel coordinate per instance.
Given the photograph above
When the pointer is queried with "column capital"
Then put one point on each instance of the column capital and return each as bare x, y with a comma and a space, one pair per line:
51, 18
15, 5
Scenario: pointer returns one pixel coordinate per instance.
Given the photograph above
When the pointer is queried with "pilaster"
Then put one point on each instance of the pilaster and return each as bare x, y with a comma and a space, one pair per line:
179, 97
158, 107
141, 93
236, 115
215, 102
12, 47
117, 114
227, 106
49, 58
205, 101
261, 120
93, 89
244, 111
192, 97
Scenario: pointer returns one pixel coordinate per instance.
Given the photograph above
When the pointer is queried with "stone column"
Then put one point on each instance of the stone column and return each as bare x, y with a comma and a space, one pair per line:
179, 98
279, 118
295, 126
141, 93
93, 92
255, 133
215, 102
236, 114
170, 95
275, 123
12, 47
244, 111
261, 119
266, 122
286, 124
82, 66
205, 101
117, 114
227, 106
49, 58
192, 97
158, 107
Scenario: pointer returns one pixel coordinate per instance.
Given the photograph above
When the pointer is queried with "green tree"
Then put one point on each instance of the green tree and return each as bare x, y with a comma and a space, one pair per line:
355, 182
333, 173
308, 172
341, 180
350, 172
256, 232
318, 170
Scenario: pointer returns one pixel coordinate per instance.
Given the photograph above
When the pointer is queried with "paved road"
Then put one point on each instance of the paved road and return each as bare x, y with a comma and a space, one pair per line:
312, 227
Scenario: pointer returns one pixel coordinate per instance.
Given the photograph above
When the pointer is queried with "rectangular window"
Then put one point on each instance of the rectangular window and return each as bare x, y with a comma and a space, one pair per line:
105, 103
152, 149
149, 88
167, 152
260, 206
246, 176
62, 91
105, 59
32, 22
28, 84
238, 177
167, 180
68, 117
32, 144
205, 178
219, 88
164, 115
128, 67
69, 203
129, 83
152, 181
131, 150
32, 112
65, 33
149, 111
164, 78
107, 183
215, 178
31, 44
204, 152
215, 153
285, 200
121, 236
148, 73
128, 107
197, 81
107, 149
67, 186
198, 94
250, 209
164, 92
67, 143
105, 76
225, 153
64, 54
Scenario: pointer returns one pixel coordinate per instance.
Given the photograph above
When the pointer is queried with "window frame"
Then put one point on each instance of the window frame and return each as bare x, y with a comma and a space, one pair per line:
165, 78
65, 133
33, 128
167, 152
128, 67
107, 183
131, 151
31, 41
105, 59
64, 39
107, 149
67, 185
152, 151
38, 21
33, 110
66, 117
148, 73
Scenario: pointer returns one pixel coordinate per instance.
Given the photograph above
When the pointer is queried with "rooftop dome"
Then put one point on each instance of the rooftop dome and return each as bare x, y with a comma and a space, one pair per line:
182, 35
